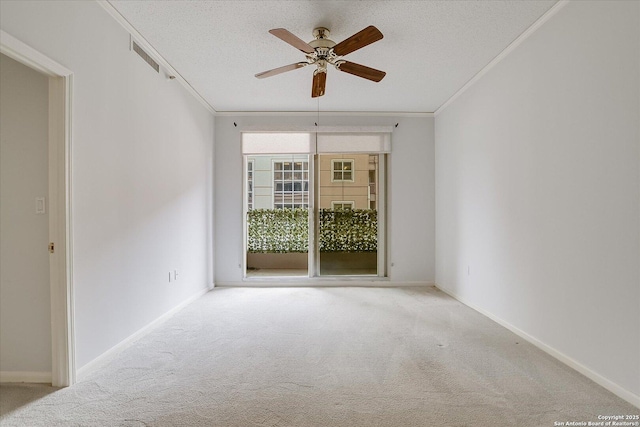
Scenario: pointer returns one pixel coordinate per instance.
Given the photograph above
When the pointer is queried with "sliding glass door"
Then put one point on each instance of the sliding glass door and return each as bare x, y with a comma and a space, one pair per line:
348, 188
314, 207
277, 215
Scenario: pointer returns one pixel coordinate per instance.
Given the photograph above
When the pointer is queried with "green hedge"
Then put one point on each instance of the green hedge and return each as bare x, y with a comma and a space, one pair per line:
278, 230
348, 230
287, 230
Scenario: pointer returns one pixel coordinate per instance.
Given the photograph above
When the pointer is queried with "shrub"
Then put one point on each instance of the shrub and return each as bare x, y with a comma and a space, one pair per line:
278, 230
348, 230
287, 230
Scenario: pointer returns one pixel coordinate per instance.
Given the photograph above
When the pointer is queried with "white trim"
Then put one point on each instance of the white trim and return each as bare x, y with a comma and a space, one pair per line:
381, 207
253, 187
245, 210
572, 363
62, 326
319, 282
352, 170
139, 38
512, 46
30, 57
114, 351
25, 377
144, 44
314, 129
60, 225
165, 64
314, 165
323, 113
343, 202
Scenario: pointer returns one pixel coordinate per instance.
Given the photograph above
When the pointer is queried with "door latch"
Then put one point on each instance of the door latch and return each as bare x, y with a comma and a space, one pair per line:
51, 248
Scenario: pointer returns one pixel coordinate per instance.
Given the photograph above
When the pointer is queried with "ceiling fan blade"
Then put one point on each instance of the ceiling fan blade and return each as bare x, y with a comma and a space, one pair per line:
292, 39
361, 71
319, 83
357, 41
281, 70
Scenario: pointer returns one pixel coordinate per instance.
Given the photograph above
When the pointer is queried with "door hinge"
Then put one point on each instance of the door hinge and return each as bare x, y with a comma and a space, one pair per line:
51, 248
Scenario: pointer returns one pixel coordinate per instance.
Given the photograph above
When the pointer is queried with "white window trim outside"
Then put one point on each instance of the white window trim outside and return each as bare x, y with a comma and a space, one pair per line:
333, 170
251, 192
342, 202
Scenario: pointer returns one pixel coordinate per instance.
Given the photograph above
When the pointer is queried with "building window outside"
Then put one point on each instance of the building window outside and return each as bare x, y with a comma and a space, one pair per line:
372, 182
250, 185
342, 170
342, 205
290, 184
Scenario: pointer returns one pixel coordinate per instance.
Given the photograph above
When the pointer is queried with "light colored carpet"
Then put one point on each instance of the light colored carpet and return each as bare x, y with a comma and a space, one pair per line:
322, 357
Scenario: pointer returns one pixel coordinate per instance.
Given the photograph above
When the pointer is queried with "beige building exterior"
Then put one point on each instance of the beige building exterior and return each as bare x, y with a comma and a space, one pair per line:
348, 181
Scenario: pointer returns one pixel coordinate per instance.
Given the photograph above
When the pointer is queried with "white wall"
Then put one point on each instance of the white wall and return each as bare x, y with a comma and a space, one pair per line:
537, 190
25, 316
410, 201
142, 173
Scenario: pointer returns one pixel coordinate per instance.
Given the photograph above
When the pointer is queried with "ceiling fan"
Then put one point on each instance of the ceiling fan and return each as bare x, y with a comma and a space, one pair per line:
322, 51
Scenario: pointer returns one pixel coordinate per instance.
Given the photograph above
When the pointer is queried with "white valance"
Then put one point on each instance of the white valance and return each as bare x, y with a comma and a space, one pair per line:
305, 140
354, 143
277, 143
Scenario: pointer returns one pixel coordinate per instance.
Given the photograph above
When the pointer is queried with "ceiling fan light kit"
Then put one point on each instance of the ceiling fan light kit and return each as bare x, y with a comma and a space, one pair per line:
323, 51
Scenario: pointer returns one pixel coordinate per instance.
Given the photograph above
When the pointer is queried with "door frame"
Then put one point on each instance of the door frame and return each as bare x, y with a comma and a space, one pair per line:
63, 370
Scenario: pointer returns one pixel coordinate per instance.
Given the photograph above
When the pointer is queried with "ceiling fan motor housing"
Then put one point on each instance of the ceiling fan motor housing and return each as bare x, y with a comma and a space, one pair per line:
321, 33
323, 50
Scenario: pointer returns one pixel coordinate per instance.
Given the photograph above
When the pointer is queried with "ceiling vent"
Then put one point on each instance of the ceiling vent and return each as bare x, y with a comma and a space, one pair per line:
144, 55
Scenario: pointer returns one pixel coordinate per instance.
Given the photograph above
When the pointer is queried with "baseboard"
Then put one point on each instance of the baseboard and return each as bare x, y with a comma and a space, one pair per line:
572, 363
108, 355
284, 282
25, 377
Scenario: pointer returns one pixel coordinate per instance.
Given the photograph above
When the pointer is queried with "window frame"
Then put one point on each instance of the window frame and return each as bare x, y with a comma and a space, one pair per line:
250, 189
305, 194
334, 170
343, 202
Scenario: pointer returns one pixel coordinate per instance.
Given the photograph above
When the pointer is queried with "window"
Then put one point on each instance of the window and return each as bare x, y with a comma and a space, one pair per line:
372, 181
290, 184
342, 205
342, 170
250, 185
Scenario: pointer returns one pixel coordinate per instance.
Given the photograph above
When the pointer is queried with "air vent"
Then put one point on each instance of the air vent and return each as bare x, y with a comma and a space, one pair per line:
144, 55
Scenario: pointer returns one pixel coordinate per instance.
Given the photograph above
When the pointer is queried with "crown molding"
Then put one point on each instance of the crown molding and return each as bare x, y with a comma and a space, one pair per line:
148, 47
512, 46
172, 71
323, 113
139, 38
316, 129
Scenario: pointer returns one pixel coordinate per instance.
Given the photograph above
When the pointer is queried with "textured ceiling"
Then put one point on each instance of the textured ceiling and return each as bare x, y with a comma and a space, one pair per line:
429, 51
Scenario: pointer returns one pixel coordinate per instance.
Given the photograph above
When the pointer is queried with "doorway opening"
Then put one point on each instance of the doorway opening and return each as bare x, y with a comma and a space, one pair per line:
60, 83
